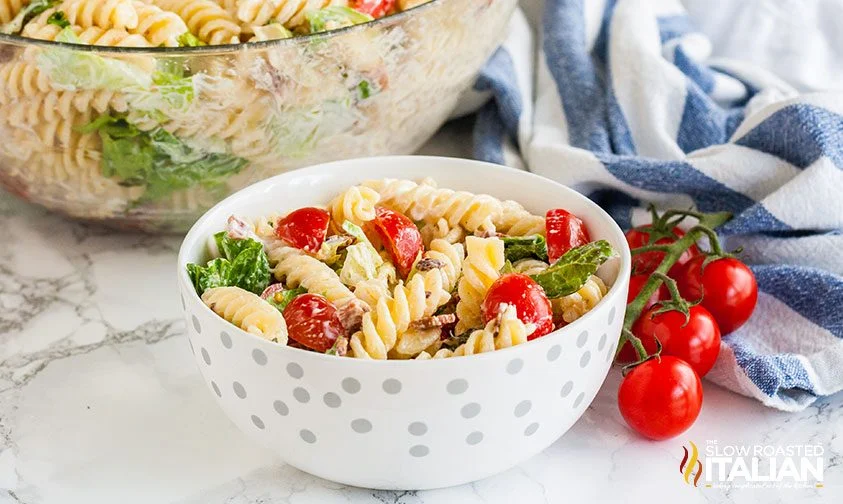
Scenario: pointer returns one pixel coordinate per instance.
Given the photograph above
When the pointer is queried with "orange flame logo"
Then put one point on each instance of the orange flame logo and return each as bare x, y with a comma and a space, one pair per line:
690, 462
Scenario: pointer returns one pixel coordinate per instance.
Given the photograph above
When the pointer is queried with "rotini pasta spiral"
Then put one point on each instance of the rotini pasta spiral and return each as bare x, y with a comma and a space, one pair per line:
425, 201
441, 229
450, 257
317, 277
482, 265
158, 26
39, 28
356, 204
105, 14
290, 13
516, 221
206, 19
529, 266
248, 312
505, 331
20, 79
574, 306
10, 8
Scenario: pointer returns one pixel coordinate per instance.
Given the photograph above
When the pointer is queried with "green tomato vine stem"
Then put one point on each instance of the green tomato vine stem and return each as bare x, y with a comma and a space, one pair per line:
672, 252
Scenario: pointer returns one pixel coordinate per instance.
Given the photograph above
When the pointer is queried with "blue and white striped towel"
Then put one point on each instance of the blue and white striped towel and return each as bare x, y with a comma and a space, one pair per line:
621, 100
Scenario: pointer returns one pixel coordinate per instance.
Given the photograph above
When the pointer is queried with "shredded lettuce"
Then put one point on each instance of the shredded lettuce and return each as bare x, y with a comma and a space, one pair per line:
334, 17
188, 39
59, 19
31, 10
243, 264
568, 274
525, 247
362, 259
157, 159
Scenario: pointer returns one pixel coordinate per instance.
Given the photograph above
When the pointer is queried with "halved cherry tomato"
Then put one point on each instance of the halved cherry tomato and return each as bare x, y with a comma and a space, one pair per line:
374, 8
697, 342
636, 283
727, 287
661, 398
304, 228
312, 321
531, 303
564, 232
400, 237
647, 262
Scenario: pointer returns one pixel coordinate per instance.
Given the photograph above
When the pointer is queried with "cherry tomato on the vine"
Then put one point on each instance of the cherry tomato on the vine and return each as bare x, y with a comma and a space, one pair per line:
531, 303
727, 287
400, 236
564, 231
647, 262
374, 8
312, 321
697, 342
660, 398
304, 228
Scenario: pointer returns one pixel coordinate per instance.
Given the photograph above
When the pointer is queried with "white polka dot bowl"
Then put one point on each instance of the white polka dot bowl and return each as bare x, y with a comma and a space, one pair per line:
405, 424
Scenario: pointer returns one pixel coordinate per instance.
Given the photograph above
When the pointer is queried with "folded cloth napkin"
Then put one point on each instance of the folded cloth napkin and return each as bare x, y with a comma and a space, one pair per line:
622, 100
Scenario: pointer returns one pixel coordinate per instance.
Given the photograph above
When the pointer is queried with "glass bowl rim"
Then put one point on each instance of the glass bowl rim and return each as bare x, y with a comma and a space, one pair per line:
221, 49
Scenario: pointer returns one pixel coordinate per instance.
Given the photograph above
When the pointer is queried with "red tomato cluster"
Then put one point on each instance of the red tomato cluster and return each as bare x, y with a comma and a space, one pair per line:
661, 397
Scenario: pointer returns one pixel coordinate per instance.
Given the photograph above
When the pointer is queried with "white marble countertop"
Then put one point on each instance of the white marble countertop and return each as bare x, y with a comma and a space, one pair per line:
100, 400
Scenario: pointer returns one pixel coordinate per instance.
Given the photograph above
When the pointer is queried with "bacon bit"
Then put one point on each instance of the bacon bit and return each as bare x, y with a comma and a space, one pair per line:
433, 321
272, 290
351, 315
340, 347
428, 264
238, 229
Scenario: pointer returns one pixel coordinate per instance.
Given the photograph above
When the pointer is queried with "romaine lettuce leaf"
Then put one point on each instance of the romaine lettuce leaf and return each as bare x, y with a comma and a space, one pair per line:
213, 274
568, 274
243, 264
525, 247
361, 260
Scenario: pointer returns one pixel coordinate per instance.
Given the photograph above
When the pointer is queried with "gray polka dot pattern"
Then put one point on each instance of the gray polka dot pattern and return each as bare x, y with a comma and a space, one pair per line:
301, 395
225, 338
196, 324
205, 356
566, 389
281, 408
361, 426
307, 436
612, 315
417, 428
522, 408
581, 339
259, 357
457, 387
392, 386
514, 366
332, 400
474, 438
239, 391
294, 370
216, 388
351, 385
531, 429
419, 451
554, 353
579, 399
258, 422
585, 359
470, 410
602, 343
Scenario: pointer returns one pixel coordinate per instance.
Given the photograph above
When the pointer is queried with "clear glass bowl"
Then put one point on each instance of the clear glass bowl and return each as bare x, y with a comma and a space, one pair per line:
150, 138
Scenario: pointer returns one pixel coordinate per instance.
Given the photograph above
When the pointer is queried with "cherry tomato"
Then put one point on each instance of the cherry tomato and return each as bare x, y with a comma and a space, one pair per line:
661, 398
374, 8
647, 262
400, 236
531, 303
697, 342
304, 228
636, 283
312, 321
564, 232
727, 288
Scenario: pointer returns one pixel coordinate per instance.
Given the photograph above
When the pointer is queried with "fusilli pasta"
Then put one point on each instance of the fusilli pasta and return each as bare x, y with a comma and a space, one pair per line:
574, 306
105, 14
529, 266
441, 229
516, 221
356, 204
206, 19
290, 13
298, 268
482, 265
248, 312
505, 331
158, 26
10, 8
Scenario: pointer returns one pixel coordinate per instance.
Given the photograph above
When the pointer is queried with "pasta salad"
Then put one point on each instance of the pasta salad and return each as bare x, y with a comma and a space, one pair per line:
398, 269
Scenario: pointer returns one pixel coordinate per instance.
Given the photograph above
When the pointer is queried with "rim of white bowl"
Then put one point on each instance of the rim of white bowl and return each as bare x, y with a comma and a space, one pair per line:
624, 270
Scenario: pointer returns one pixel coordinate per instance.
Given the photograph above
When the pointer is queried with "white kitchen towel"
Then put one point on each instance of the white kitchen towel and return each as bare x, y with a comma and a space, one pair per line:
622, 100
